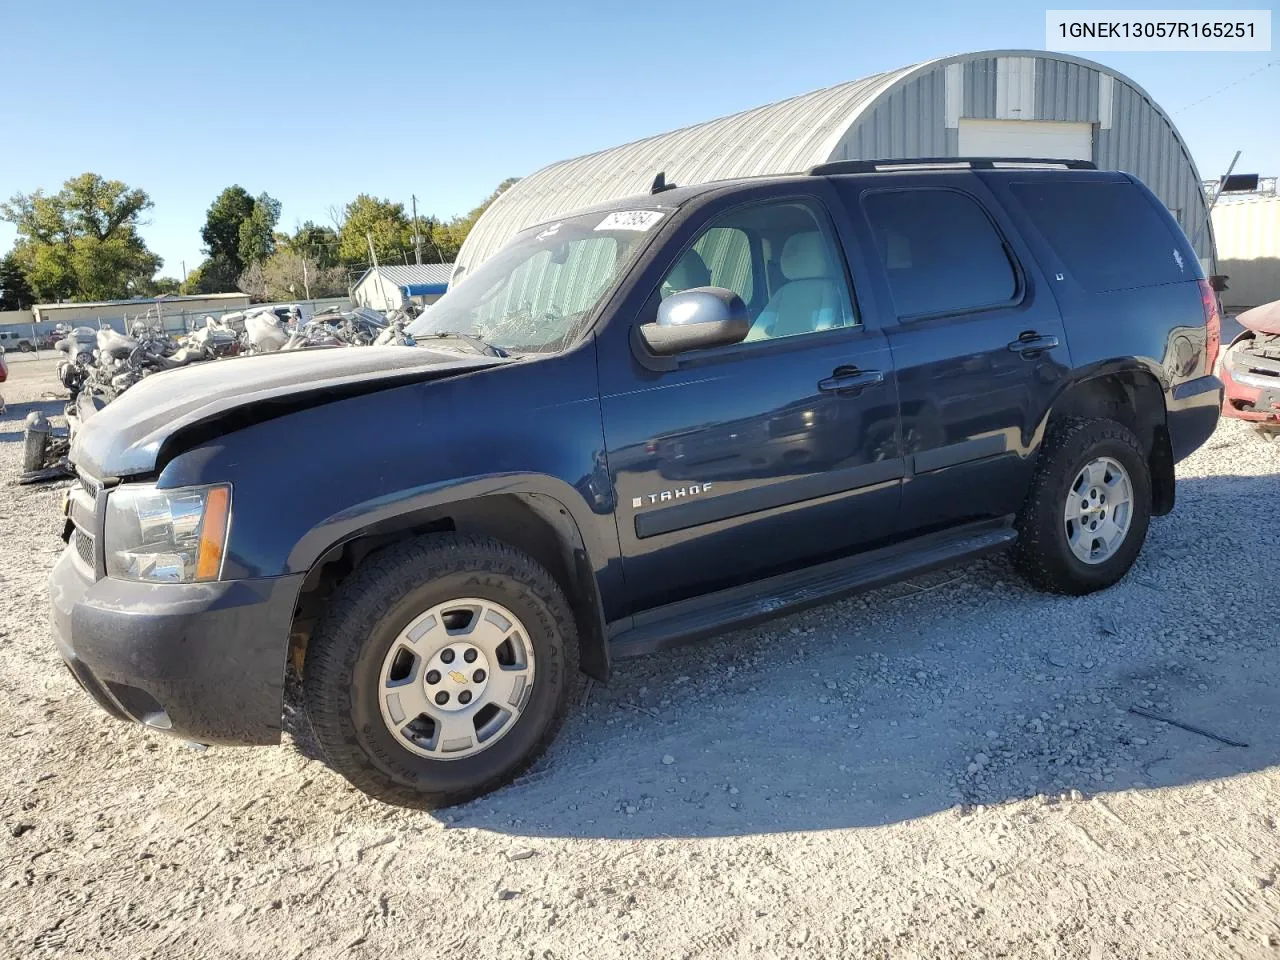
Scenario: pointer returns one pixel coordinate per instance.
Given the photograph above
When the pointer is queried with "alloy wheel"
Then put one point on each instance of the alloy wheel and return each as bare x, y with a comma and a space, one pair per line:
1098, 510
456, 679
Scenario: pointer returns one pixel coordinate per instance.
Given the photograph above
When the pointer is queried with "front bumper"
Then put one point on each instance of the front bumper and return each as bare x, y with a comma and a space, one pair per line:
1252, 399
1192, 414
201, 661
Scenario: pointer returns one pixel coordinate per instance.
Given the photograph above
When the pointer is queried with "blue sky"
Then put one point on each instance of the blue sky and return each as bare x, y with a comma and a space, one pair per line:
315, 102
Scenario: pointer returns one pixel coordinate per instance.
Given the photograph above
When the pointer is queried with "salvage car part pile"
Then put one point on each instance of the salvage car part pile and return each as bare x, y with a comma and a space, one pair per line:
102, 364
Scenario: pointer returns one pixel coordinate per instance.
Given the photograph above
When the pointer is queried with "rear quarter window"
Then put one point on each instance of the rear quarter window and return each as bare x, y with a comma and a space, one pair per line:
1109, 236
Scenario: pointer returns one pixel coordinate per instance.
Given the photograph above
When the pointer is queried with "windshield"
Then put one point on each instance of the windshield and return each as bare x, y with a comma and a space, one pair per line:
535, 294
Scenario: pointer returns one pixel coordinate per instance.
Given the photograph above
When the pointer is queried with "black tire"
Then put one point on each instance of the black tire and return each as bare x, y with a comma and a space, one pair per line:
1042, 551
25, 347
368, 611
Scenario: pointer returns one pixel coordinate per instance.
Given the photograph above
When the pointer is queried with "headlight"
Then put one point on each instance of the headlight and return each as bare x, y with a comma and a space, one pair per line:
167, 536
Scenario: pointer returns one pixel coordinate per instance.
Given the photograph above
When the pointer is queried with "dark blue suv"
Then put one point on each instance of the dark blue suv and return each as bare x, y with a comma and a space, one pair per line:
636, 425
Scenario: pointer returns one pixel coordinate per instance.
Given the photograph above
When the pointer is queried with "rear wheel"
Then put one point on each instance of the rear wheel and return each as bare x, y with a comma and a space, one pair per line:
441, 671
1086, 516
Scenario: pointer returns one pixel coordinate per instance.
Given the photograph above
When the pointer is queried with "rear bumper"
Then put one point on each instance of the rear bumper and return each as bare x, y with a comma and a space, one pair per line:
204, 662
1192, 414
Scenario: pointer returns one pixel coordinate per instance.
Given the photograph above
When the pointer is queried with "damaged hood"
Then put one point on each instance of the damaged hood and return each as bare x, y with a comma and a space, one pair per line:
1263, 319
126, 437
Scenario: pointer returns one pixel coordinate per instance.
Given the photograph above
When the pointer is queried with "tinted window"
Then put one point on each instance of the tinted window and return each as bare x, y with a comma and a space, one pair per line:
1110, 236
940, 251
801, 287
725, 252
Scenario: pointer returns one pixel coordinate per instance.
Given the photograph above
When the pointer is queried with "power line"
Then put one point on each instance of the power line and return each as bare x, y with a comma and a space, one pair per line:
1233, 83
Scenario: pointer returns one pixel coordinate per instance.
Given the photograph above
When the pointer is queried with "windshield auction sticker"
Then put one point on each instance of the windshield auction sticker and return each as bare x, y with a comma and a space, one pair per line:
630, 220
1075, 31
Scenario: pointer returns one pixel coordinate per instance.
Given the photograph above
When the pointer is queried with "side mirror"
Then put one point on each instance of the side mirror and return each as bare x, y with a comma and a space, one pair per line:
696, 319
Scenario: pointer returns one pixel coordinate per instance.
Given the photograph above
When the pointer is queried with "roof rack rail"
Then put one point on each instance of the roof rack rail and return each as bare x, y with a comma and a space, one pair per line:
973, 163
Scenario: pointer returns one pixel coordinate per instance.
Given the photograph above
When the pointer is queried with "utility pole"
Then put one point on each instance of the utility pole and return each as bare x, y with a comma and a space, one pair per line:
1223, 182
417, 237
306, 284
1212, 202
184, 273
373, 257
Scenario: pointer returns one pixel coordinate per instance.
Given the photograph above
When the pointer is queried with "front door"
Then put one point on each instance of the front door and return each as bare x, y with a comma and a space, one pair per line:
757, 458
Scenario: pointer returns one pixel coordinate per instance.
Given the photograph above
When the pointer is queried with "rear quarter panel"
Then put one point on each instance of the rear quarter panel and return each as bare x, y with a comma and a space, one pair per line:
1160, 329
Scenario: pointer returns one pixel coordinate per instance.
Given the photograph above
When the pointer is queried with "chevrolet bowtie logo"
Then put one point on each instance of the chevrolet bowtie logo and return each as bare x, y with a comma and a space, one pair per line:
457, 677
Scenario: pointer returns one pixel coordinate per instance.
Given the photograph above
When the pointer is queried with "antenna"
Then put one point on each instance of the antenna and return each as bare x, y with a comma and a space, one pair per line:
660, 184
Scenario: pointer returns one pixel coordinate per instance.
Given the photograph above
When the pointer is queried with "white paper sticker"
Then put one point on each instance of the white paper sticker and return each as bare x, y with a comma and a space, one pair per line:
640, 220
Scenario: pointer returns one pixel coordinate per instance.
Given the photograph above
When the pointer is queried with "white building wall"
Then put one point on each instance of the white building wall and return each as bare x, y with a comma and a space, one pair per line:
1247, 230
377, 292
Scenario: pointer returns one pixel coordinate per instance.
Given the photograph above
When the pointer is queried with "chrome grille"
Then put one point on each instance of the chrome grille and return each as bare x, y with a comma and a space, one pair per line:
84, 548
84, 519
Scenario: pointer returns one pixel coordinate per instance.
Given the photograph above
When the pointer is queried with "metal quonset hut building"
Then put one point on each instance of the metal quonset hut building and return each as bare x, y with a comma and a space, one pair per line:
1023, 103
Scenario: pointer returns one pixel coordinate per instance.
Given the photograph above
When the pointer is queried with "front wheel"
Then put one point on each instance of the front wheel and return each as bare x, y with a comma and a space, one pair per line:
1086, 516
441, 671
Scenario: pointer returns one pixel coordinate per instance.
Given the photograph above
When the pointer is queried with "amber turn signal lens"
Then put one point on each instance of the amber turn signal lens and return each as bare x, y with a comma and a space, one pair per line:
213, 533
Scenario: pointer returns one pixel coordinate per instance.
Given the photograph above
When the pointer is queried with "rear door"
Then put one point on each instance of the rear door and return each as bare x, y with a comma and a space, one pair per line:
740, 462
976, 336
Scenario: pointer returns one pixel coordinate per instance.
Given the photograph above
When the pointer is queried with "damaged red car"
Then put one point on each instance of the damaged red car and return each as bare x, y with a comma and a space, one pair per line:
1251, 370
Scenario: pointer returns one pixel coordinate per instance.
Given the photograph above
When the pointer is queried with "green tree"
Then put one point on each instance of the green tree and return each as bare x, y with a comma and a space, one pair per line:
15, 292
82, 243
239, 230
221, 230
164, 286
214, 275
317, 242
448, 238
286, 275
258, 230
384, 221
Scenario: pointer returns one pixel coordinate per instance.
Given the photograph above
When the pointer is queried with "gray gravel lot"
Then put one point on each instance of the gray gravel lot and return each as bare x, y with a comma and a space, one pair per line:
943, 768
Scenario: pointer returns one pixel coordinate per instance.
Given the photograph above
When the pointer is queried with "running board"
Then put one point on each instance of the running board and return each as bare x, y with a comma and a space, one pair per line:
738, 606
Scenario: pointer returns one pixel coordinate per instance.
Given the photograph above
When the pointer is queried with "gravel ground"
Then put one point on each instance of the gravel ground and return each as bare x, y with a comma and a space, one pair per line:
943, 768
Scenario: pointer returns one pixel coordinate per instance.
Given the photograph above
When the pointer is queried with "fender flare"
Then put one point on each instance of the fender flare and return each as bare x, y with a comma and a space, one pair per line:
586, 551
1142, 366
1161, 453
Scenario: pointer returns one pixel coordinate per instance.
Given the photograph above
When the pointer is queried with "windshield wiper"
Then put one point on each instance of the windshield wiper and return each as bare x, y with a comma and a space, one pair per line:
470, 339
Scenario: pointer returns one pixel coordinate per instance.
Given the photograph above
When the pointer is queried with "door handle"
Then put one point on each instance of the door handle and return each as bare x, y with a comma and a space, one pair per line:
1031, 343
850, 380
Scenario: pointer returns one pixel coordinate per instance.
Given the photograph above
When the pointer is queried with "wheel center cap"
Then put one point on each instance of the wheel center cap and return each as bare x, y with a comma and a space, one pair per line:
456, 676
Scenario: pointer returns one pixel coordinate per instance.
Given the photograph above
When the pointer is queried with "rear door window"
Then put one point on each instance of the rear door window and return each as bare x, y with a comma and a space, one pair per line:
940, 251
1109, 236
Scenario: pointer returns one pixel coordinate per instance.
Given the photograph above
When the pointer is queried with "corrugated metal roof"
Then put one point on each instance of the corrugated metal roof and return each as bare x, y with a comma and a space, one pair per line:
414, 275
782, 137
902, 113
